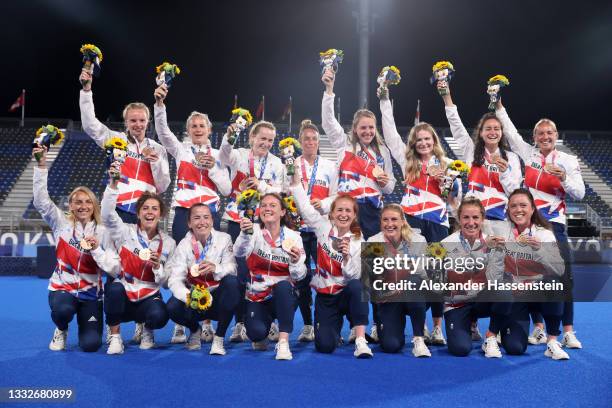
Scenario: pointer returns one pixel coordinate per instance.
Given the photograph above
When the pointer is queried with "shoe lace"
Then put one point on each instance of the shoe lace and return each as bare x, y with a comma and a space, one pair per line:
491, 345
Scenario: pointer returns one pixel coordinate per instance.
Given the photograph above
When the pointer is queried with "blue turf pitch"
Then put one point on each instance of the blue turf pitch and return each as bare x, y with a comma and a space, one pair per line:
170, 376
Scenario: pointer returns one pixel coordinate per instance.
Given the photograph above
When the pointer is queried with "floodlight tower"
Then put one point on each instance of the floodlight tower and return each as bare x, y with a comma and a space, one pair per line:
364, 28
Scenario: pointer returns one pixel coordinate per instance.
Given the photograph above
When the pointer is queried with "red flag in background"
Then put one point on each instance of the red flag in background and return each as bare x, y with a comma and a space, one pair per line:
18, 103
260, 113
417, 115
287, 110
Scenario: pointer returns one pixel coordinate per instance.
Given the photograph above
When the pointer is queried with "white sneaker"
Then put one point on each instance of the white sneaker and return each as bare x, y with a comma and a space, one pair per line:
194, 342
148, 339
282, 350
137, 337
498, 338
260, 345
570, 340
419, 348
374, 334
361, 348
115, 345
178, 334
208, 332
58, 342
426, 335
554, 351
307, 334
108, 334
238, 333
273, 333
476, 336
217, 347
352, 336
437, 337
538, 336
491, 348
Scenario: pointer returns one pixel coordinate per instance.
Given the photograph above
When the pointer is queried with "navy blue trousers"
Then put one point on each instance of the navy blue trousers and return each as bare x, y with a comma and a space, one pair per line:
330, 311
567, 318
369, 219
303, 287
433, 233
225, 300
281, 306
127, 217
151, 311
509, 319
89, 317
233, 228
392, 323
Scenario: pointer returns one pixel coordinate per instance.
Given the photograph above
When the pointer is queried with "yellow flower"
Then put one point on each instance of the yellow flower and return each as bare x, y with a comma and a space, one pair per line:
166, 65
442, 65
395, 70
56, 135
460, 166
290, 203
376, 249
499, 79
115, 143
206, 299
248, 195
59, 138
436, 250
289, 141
199, 298
93, 48
331, 52
244, 113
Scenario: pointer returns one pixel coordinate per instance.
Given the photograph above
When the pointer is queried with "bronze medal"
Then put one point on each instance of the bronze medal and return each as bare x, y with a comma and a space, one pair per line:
144, 254
85, 244
194, 270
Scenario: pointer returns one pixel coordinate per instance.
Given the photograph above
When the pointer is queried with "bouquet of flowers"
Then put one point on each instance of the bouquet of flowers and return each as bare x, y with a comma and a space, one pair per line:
242, 119
442, 71
92, 57
289, 149
116, 151
436, 251
248, 201
330, 59
294, 215
166, 73
199, 298
388, 76
46, 136
457, 168
373, 250
494, 85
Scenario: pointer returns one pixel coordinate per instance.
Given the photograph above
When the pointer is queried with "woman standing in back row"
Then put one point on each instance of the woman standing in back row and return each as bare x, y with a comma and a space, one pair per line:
550, 175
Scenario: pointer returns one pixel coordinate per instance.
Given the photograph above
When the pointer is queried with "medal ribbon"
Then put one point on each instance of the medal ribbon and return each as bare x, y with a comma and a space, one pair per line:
199, 257
262, 166
310, 180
